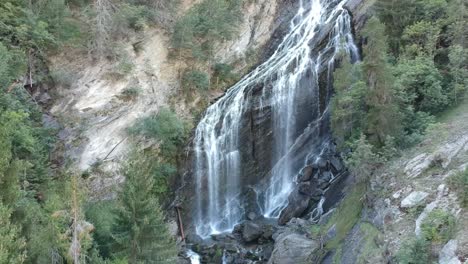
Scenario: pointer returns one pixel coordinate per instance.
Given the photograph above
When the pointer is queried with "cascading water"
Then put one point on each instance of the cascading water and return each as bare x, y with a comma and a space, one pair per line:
292, 74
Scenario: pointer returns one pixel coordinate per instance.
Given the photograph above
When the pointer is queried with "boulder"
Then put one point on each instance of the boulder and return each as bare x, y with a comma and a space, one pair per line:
293, 249
306, 174
252, 216
321, 163
336, 164
251, 231
297, 204
413, 199
326, 176
448, 253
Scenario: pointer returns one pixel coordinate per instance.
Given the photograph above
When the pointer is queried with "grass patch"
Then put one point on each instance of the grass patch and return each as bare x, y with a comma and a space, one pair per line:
459, 183
345, 217
337, 256
371, 252
414, 251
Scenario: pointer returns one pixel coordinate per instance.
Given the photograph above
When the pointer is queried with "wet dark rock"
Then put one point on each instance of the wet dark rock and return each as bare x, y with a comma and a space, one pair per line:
193, 238
305, 188
321, 163
336, 164
326, 176
267, 232
297, 204
252, 216
251, 231
306, 174
323, 184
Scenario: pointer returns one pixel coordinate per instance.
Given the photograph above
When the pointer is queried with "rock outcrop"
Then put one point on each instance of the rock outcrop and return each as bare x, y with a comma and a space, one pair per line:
293, 249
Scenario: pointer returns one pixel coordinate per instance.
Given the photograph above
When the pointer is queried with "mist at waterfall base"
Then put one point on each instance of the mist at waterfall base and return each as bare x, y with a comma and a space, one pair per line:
290, 77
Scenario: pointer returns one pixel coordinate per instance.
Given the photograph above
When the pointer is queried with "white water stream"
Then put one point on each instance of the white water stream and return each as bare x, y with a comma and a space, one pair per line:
217, 146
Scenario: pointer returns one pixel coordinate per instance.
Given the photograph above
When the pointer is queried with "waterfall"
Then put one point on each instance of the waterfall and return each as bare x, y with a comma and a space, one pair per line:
291, 74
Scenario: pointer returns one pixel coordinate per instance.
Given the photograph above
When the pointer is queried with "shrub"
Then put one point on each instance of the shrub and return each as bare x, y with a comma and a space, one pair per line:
195, 79
439, 226
414, 251
123, 67
63, 77
165, 127
205, 24
130, 93
459, 182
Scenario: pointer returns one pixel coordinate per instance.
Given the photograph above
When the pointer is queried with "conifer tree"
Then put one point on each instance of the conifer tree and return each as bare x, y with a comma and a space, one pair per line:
348, 104
383, 116
140, 233
11, 245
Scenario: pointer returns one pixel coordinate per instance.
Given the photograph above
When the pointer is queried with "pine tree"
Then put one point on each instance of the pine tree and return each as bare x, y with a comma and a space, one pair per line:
140, 232
11, 245
348, 104
383, 116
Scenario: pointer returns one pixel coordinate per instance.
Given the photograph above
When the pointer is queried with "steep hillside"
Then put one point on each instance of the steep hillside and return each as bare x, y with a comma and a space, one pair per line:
421, 195
105, 98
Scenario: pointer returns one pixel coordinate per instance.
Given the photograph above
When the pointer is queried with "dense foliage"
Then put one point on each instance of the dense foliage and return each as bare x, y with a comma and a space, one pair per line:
205, 24
139, 231
413, 67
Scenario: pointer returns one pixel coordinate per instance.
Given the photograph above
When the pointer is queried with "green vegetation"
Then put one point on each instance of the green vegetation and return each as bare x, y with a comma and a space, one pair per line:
223, 74
165, 127
370, 250
195, 80
414, 251
413, 68
459, 182
439, 226
130, 93
12, 246
139, 231
344, 218
204, 25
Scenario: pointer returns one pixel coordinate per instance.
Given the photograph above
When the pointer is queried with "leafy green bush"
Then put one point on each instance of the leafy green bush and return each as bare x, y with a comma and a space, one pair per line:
414, 251
439, 226
459, 182
165, 127
194, 79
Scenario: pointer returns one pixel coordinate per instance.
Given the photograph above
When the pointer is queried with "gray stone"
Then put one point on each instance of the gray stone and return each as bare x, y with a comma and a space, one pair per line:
293, 249
251, 231
413, 199
331, 233
251, 216
448, 253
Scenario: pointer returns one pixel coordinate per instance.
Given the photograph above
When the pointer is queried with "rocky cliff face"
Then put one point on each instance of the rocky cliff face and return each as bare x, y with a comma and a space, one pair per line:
322, 171
256, 132
94, 112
